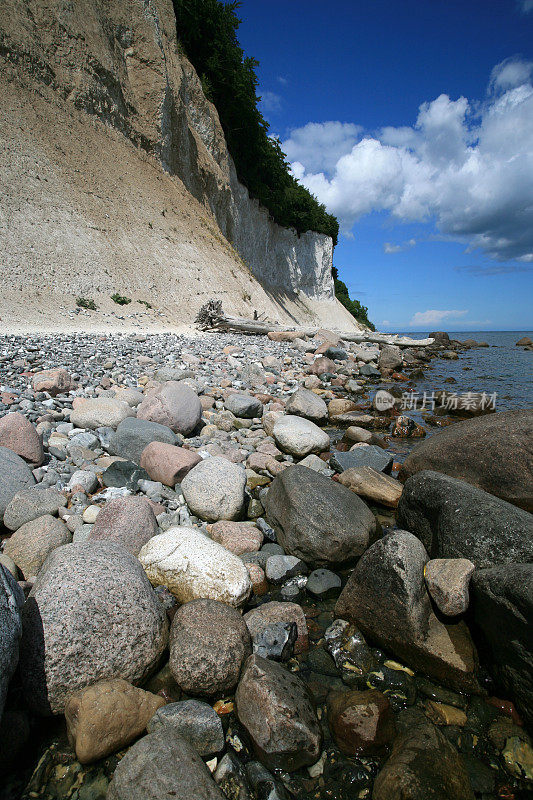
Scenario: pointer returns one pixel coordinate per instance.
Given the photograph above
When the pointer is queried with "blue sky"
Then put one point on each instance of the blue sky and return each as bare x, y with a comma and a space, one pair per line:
413, 122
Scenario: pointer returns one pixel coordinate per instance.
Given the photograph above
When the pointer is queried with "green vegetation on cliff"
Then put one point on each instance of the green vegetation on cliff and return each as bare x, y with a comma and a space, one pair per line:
207, 31
353, 306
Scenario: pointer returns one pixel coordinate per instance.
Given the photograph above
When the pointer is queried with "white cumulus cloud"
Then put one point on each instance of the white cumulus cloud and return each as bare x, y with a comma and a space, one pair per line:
525, 6
434, 316
467, 166
389, 247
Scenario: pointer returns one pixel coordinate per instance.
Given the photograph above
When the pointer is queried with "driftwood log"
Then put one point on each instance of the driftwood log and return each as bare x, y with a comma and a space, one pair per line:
212, 317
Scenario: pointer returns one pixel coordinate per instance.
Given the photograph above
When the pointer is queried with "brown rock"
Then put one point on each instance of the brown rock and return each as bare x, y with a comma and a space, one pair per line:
443, 714
372, 485
32, 542
209, 642
129, 521
167, 462
277, 710
361, 722
261, 617
257, 579
322, 365
340, 406
173, 404
107, 716
18, 434
282, 336
447, 581
236, 537
54, 381
360, 435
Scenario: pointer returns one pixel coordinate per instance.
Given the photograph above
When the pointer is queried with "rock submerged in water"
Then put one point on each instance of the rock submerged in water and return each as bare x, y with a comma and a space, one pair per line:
276, 709
390, 577
192, 566
91, 615
318, 520
490, 452
454, 519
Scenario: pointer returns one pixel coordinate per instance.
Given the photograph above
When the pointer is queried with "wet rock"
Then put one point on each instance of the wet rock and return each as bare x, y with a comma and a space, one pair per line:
193, 566
363, 456
174, 405
54, 381
299, 436
518, 757
168, 463
372, 485
95, 598
357, 435
316, 519
457, 520
447, 581
406, 427
279, 568
340, 405
322, 583
214, 489
304, 403
133, 435
107, 716
197, 722
18, 434
489, 452
276, 641
30, 545
442, 714
15, 475
100, 412
277, 711
502, 604
231, 778
361, 722
423, 765
28, 504
390, 576
209, 642
162, 764
129, 521
11, 602
267, 614
441, 338
244, 406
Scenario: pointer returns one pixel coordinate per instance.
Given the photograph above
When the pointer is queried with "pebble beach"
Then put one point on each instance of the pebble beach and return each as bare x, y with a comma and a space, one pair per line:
241, 567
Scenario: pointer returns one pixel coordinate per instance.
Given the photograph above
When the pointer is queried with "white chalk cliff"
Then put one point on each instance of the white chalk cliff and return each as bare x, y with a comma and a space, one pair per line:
116, 177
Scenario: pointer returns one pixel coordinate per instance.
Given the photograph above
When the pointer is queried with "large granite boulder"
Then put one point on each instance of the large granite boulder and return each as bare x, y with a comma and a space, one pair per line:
31, 544
276, 709
316, 519
454, 519
11, 602
305, 403
163, 765
299, 436
15, 475
91, 615
386, 597
133, 435
28, 504
502, 605
491, 452
209, 642
173, 404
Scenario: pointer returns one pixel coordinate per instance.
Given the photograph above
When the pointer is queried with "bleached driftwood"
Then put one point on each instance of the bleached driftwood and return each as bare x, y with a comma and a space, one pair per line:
211, 317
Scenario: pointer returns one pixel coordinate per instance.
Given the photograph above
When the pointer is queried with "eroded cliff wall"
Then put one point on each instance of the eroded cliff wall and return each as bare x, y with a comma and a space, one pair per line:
115, 171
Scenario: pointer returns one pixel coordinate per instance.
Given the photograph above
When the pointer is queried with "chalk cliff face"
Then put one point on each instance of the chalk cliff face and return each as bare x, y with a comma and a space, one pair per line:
97, 101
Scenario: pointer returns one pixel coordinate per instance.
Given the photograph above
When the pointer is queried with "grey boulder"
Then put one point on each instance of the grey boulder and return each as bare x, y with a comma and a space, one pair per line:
454, 519
92, 614
214, 489
11, 602
305, 403
132, 436
28, 504
14, 476
129, 521
197, 722
175, 405
316, 519
276, 709
492, 452
162, 765
365, 455
31, 544
244, 406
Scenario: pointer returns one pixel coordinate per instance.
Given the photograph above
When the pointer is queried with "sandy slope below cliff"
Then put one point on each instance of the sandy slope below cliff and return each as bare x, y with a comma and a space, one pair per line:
85, 213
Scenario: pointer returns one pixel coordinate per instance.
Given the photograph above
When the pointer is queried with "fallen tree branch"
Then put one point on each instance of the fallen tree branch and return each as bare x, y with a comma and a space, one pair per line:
211, 317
